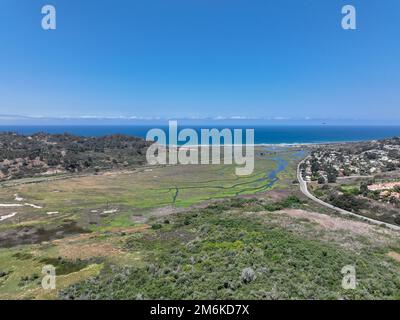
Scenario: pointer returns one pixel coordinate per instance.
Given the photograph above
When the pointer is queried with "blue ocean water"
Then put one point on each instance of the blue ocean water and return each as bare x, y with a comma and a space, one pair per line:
272, 134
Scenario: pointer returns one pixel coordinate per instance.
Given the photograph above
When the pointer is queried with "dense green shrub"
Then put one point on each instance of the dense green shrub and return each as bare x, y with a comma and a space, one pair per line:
207, 259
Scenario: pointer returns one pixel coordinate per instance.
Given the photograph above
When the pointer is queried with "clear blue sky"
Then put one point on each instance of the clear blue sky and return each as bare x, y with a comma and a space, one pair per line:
201, 58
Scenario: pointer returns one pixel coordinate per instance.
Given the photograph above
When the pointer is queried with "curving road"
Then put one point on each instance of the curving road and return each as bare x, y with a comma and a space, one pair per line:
304, 190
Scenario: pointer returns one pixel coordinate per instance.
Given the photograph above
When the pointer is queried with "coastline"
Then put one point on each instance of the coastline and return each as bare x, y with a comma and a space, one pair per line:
265, 136
283, 145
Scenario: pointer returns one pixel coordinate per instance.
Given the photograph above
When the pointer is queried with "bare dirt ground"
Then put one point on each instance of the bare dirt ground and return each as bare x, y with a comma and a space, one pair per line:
85, 246
331, 223
347, 233
84, 251
394, 255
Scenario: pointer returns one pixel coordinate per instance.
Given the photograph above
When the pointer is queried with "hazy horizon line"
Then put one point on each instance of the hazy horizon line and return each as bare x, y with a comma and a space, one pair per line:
9, 118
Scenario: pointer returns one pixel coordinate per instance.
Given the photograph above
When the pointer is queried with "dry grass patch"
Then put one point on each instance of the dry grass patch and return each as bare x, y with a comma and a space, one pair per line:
394, 255
331, 223
87, 251
346, 233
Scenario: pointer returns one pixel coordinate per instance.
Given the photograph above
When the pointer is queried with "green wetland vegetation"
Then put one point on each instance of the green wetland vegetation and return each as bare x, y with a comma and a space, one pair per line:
189, 232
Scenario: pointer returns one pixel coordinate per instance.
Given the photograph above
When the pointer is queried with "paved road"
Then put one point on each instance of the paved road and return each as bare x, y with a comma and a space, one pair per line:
304, 190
